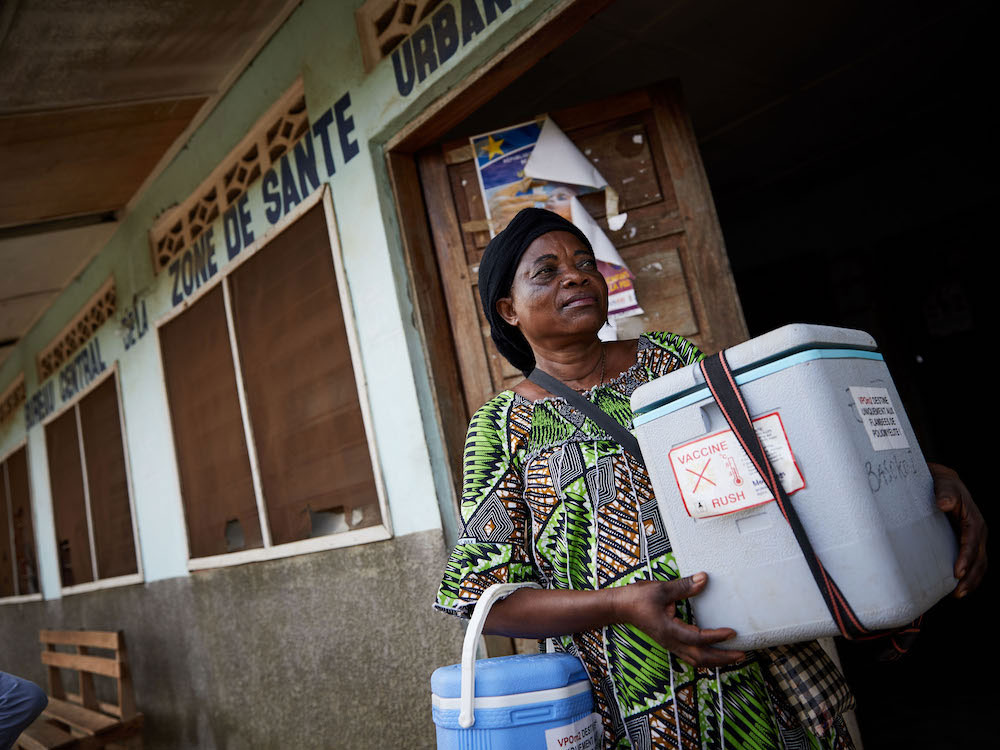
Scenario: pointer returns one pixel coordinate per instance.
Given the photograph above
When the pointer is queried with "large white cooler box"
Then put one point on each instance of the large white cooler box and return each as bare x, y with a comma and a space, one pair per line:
837, 435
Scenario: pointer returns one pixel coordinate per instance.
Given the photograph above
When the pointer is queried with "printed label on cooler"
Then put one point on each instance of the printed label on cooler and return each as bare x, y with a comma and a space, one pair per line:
582, 734
716, 477
878, 415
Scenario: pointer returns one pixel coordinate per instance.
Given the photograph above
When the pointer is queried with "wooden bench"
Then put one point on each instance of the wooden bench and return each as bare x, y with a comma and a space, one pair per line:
81, 721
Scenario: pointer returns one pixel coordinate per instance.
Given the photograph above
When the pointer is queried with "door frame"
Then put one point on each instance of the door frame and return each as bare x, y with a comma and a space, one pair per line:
715, 299
426, 291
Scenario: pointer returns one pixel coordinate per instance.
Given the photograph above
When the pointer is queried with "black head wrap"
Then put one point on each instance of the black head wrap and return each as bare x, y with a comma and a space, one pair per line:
496, 275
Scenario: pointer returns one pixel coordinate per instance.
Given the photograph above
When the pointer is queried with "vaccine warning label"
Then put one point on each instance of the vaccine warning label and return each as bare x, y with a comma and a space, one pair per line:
715, 476
879, 418
582, 734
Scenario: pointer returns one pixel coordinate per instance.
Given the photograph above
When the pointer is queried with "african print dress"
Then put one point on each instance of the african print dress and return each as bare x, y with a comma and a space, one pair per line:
548, 497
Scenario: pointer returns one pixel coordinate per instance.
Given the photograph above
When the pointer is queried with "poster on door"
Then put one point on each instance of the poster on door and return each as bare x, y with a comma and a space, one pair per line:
716, 477
534, 164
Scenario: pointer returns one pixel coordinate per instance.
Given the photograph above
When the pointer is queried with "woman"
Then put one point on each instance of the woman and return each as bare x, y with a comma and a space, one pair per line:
548, 497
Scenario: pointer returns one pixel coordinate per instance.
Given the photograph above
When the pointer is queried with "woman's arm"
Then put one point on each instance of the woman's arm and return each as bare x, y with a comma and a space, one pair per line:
488, 552
954, 499
648, 605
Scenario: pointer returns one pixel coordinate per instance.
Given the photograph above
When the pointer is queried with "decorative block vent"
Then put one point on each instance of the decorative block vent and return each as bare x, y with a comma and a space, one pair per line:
98, 309
382, 24
12, 398
270, 137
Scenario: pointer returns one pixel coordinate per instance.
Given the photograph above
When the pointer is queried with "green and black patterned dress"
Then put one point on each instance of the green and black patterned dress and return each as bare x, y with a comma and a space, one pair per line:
549, 498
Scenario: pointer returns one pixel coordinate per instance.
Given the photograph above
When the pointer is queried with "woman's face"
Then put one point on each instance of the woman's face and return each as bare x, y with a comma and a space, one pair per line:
557, 290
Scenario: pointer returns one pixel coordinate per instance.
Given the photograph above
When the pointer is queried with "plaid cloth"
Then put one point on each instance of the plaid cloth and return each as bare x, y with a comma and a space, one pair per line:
810, 682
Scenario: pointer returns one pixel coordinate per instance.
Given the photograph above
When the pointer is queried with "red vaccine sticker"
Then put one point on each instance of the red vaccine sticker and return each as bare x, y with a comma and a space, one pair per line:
715, 475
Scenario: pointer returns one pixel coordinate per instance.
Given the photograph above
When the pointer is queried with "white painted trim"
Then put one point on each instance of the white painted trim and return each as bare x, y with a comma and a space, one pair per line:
86, 493
343, 288
126, 458
248, 252
21, 599
104, 583
10, 528
248, 436
304, 546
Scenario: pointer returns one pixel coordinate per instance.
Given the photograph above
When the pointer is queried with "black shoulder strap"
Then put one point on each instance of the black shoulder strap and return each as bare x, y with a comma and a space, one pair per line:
603, 420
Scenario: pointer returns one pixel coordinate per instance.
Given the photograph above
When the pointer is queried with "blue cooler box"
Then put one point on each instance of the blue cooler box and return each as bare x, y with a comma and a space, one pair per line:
521, 702
833, 426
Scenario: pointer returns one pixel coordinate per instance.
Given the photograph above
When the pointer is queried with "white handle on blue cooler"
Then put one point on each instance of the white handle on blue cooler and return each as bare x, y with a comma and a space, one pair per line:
467, 714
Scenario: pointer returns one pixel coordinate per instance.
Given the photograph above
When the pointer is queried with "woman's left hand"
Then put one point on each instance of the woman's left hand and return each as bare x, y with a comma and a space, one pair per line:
954, 499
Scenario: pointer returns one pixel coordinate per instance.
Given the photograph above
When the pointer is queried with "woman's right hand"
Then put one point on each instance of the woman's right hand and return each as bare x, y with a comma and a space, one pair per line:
651, 606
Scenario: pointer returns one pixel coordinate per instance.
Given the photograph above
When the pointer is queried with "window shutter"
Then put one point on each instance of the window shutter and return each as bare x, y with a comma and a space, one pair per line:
216, 484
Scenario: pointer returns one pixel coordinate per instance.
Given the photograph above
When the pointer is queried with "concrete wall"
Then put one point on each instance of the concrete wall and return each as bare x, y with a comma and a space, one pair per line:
329, 650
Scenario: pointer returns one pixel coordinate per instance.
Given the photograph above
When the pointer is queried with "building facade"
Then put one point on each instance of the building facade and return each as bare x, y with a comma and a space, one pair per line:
236, 435
141, 436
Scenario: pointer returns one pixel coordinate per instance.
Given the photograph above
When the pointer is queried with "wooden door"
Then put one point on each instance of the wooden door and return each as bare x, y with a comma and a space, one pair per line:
643, 144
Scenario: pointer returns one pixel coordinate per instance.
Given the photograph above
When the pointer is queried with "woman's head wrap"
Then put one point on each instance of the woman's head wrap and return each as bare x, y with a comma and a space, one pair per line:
496, 275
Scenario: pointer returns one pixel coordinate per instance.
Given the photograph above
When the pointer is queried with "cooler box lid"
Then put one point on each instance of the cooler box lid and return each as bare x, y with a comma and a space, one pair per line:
783, 347
510, 675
